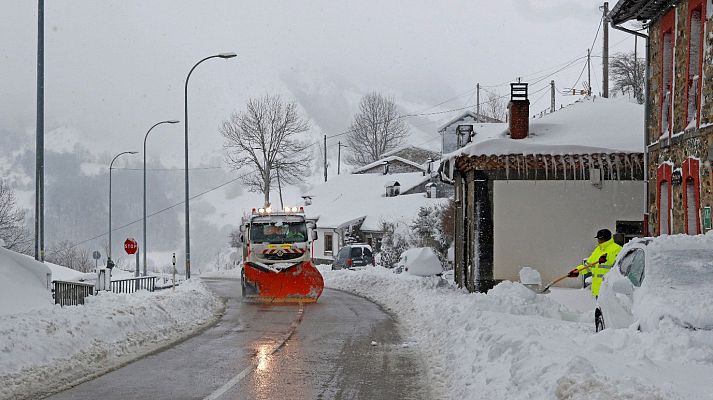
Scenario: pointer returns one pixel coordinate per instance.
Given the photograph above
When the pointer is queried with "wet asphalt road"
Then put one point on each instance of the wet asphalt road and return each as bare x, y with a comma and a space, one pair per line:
315, 351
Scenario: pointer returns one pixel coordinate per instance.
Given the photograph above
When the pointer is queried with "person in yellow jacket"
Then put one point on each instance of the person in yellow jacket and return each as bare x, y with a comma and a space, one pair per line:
601, 260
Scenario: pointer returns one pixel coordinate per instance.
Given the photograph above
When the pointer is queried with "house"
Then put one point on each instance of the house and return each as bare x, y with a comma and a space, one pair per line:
456, 132
534, 193
391, 164
416, 154
679, 100
354, 207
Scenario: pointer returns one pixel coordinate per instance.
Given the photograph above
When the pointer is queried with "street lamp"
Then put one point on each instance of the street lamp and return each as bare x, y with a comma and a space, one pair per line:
111, 166
185, 124
172, 121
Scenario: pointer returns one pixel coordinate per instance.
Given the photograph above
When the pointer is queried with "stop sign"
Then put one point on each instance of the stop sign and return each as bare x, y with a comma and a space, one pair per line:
131, 246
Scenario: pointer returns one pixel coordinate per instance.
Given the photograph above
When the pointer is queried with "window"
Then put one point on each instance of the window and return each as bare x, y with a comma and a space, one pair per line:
625, 263
695, 61
666, 90
636, 270
328, 243
691, 195
663, 198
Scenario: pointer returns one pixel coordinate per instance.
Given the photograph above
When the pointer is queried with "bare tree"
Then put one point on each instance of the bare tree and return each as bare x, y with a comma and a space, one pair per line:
628, 74
13, 230
377, 128
494, 106
264, 139
66, 254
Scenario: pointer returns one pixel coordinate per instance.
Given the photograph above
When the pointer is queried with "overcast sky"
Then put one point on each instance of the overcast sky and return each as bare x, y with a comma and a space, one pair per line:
113, 68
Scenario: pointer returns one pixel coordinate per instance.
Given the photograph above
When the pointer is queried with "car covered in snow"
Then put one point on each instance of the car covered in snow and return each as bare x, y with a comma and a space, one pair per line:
419, 261
667, 278
354, 256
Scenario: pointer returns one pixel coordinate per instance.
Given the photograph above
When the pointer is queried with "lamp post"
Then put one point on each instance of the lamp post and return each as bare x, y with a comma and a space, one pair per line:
111, 166
185, 124
143, 243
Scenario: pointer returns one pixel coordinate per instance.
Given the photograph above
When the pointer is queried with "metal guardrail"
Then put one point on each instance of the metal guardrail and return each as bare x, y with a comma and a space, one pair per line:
71, 293
133, 285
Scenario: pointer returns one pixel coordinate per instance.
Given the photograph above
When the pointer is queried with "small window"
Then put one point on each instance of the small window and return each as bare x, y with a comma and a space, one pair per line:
328, 243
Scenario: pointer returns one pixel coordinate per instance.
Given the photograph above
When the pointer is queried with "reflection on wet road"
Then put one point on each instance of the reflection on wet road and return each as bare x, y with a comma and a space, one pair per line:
316, 351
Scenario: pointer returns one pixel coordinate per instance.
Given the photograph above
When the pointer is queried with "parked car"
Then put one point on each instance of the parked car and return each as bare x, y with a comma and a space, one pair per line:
656, 279
419, 261
354, 256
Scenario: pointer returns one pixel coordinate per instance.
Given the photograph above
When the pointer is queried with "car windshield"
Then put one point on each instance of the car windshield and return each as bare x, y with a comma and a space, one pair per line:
278, 232
686, 267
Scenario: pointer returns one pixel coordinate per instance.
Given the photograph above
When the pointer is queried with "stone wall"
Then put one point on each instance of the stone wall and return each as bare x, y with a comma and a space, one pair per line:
683, 144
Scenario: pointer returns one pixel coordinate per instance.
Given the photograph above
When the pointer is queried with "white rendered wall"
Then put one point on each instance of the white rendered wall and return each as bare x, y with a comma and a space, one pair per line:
550, 225
319, 244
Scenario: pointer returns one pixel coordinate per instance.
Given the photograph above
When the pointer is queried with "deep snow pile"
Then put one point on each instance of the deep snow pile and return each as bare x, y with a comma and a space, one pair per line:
51, 348
420, 261
23, 283
514, 344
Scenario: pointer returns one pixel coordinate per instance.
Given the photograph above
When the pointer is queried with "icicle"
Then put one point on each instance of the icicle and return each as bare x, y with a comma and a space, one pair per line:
524, 156
609, 165
507, 167
547, 168
631, 165
617, 161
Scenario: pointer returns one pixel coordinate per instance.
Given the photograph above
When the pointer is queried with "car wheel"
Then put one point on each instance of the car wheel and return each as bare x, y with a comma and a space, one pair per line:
599, 322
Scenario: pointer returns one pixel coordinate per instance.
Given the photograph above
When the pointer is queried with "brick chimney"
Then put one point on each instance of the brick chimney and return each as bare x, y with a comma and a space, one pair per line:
519, 110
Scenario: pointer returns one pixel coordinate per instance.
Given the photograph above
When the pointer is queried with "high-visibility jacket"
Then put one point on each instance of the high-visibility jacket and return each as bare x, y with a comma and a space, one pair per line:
598, 271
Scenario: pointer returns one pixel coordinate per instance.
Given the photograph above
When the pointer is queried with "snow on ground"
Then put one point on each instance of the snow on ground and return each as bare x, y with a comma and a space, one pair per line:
51, 348
514, 344
23, 283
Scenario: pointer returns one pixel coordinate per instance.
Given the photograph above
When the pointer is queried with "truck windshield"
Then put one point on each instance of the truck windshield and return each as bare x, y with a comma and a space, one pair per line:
278, 232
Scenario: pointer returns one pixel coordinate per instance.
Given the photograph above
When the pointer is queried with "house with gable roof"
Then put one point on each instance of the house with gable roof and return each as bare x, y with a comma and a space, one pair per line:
534, 192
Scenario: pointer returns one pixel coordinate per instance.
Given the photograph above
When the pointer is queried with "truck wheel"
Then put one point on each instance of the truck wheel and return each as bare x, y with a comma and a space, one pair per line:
242, 283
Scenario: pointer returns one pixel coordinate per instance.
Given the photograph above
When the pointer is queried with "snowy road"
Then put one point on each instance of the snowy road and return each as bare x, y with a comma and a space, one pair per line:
328, 353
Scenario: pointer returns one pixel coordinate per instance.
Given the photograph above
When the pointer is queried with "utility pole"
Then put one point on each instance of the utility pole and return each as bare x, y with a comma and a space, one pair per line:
589, 72
325, 158
477, 99
552, 96
40, 140
339, 158
605, 52
279, 187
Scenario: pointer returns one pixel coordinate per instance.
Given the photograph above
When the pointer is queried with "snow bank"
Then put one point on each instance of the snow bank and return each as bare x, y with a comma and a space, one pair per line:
23, 283
514, 344
49, 349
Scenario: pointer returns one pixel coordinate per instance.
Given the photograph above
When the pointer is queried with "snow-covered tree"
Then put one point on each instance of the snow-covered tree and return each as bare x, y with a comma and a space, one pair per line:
68, 255
393, 243
629, 75
427, 230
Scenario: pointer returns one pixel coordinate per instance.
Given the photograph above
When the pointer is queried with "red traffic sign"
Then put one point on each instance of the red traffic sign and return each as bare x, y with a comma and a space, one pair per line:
131, 246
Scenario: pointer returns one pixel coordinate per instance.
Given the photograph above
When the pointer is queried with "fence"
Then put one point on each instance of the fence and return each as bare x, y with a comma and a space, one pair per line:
71, 293
132, 285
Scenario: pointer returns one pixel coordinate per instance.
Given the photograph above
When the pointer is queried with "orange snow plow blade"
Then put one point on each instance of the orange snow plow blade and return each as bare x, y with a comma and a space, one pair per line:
298, 283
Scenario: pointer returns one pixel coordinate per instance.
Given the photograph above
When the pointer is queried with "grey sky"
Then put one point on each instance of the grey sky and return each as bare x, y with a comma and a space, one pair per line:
113, 68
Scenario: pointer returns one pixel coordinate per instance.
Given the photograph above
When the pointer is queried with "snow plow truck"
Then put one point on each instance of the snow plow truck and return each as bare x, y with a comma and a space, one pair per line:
277, 258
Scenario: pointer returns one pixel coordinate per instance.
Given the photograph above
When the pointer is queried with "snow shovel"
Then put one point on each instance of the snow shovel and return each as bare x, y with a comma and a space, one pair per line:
601, 260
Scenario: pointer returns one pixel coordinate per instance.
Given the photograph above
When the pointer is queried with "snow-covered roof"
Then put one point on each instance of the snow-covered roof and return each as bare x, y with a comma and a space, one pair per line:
408, 146
388, 159
351, 197
594, 125
477, 117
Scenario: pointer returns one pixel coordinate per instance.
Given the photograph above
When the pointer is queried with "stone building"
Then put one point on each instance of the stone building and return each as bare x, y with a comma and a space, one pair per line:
534, 192
679, 103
